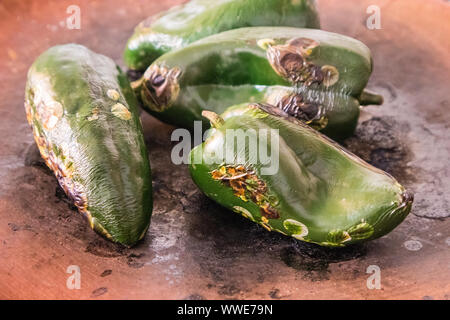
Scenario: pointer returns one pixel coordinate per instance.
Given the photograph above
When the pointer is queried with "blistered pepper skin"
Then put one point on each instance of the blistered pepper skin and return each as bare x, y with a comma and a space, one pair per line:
320, 192
197, 19
328, 67
86, 124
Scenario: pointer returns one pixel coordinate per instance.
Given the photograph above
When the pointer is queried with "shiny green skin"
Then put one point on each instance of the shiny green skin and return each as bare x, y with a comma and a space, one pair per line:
319, 184
109, 159
197, 19
342, 111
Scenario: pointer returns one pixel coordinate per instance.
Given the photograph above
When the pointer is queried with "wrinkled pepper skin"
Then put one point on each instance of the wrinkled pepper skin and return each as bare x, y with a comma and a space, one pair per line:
85, 122
334, 115
196, 19
320, 193
328, 67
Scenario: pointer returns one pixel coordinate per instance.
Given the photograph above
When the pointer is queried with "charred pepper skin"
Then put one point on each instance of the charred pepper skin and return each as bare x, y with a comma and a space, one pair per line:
85, 121
197, 19
334, 66
320, 193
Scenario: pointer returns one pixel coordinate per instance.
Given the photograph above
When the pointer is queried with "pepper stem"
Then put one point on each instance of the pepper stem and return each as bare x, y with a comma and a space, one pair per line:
214, 118
366, 98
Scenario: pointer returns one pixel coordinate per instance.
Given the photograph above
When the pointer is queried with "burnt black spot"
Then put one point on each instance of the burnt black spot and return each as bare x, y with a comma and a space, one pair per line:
289, 103
292, 63
158, 81
310, 110
150, 94
294, 105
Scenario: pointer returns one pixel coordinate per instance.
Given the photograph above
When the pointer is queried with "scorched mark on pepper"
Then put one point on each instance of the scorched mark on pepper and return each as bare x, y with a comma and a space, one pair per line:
311, 113
246, 185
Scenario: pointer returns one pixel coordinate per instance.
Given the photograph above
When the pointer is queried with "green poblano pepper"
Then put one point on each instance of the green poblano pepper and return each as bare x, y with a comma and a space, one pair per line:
86, 124
318, 192
328, 71
197, 19
334, 115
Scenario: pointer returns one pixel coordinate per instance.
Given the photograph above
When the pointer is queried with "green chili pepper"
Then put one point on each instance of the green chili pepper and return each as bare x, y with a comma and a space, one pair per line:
334, 115
197, 19
86, 124
329, 71
318, 193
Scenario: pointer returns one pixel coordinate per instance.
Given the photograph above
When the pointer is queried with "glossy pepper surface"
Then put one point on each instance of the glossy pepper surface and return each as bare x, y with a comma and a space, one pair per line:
197, 19
328, 71
85, 122
319, 193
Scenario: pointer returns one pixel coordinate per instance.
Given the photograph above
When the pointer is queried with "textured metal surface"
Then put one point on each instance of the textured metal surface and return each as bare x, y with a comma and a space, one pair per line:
195, 249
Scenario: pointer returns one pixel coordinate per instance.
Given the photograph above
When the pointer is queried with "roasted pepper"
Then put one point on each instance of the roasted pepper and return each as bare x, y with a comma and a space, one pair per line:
86, 125
334, 115
319, 193
197, 19
329, 71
